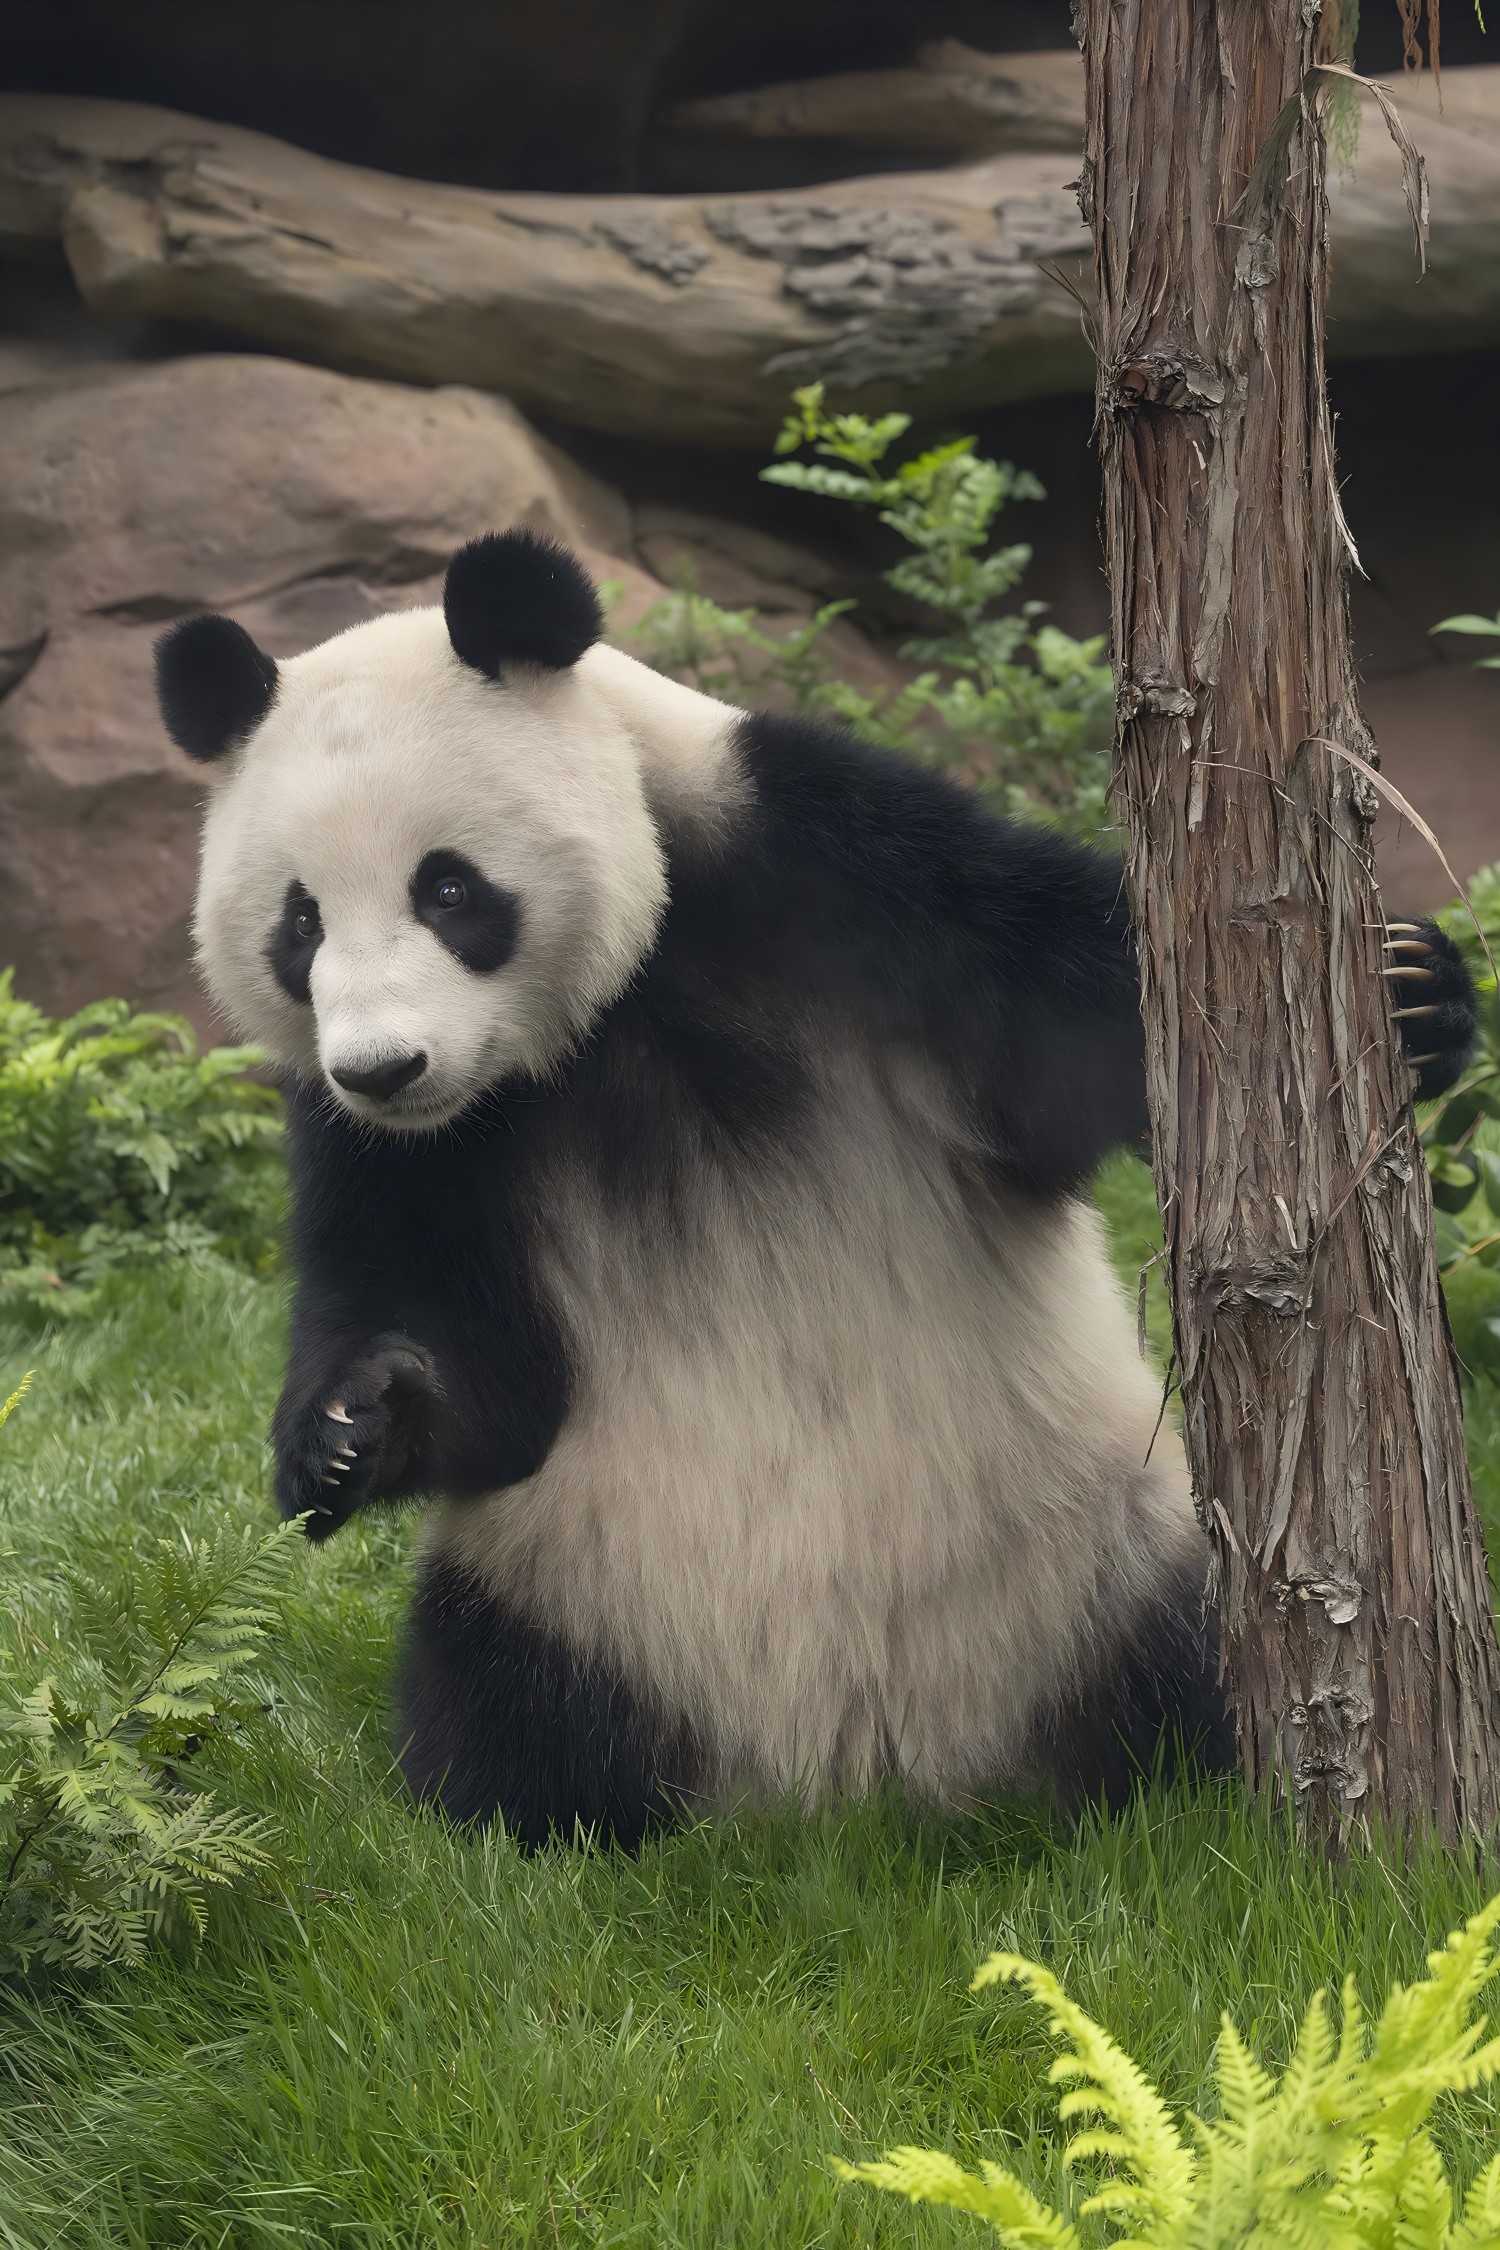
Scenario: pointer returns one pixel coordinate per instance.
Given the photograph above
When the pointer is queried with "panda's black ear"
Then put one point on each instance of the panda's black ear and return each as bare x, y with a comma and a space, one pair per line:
213, 685
516, 598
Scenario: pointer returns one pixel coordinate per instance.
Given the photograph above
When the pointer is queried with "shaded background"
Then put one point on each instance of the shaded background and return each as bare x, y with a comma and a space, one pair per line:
153, 467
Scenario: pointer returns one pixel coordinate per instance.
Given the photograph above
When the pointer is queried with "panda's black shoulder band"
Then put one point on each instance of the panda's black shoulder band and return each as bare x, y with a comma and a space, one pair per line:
213, 685
514, 597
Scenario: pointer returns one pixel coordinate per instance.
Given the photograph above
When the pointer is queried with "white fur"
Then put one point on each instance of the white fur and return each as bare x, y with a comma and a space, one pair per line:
381, 746
857, 1476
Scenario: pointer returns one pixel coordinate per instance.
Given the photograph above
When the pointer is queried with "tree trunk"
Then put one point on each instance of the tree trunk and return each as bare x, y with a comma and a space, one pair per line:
1322, 1411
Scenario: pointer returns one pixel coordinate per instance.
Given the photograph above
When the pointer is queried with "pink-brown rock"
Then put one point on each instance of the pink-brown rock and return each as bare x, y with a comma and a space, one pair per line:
299, 501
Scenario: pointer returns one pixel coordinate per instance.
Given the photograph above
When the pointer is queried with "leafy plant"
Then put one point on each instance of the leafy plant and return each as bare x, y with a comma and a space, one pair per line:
120, 1143
1024, 708
1336, 2154
1484, 627
1461, 1137
103, 1845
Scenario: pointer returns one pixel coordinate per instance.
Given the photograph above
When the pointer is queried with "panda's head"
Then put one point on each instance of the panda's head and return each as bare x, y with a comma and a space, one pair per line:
428, 858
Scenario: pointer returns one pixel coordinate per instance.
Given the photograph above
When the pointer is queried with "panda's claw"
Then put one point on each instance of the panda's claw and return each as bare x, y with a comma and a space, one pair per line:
1431, 987
356, 1433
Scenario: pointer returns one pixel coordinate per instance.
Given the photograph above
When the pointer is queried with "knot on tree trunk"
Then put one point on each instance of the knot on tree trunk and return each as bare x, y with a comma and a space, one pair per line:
1161, 698
1277, 1282
1180, 383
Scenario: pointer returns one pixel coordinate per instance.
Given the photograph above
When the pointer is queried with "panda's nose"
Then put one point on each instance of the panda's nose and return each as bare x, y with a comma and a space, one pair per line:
385, 1079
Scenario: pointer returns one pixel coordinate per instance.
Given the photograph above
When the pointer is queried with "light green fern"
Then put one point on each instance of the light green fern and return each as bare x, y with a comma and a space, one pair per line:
1022, 708
15, 1398
1333, 2155
104, 1845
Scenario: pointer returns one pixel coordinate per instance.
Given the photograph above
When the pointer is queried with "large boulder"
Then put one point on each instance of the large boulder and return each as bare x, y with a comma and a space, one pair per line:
297, 500
300, 502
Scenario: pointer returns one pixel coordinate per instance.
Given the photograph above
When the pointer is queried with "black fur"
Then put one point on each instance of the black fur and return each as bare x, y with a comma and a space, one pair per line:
495, 1713
863, 885
405, 1244
479, 927
213, 685
290, 951
1439, 985
857, 891
1155, 1706
516, 598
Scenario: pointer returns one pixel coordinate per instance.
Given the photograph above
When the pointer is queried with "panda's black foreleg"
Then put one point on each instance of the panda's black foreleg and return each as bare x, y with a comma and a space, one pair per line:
499, 1720
352, 1424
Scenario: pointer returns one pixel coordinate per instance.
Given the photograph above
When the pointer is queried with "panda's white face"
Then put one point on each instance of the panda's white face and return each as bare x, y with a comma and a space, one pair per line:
409, 859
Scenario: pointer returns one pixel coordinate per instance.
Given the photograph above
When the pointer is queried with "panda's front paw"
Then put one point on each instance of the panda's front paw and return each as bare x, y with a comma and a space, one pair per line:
358, 1437
1435, 1003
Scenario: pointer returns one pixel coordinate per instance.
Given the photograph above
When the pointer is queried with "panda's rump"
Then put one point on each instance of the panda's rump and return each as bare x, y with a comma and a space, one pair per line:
854, 1474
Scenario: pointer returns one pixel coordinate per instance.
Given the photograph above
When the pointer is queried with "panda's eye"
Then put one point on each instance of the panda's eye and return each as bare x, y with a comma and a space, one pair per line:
305, 923
449, 893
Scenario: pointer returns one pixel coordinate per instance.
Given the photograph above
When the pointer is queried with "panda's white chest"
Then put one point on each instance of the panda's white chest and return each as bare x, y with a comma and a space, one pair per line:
850, 1452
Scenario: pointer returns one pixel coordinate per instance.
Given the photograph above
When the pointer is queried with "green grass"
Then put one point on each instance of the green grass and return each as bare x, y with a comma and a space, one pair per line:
416, 2038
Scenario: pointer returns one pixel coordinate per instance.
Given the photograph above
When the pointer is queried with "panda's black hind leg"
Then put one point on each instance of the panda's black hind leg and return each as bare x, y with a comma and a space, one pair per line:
1155, 1708
498, 1720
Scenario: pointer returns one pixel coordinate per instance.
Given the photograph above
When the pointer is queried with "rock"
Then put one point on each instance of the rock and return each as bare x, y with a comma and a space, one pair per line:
688, 317
200, 482
734, 565
299, 501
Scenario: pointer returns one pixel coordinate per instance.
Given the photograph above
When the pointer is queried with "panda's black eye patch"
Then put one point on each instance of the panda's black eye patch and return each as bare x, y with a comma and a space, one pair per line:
473, 917
294, 941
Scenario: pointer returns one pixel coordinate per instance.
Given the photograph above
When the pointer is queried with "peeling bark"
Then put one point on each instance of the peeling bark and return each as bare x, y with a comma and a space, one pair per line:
1321, 1403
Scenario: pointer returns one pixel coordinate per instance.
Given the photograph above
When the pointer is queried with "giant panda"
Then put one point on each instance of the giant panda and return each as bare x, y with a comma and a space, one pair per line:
691, 1114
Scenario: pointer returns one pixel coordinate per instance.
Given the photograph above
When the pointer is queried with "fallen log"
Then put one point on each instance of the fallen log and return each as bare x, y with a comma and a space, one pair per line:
952, 99
679, 316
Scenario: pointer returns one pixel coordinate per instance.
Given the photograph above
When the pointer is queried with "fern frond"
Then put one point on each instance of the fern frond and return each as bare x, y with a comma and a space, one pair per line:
1425, 2043
1245, 2089
1479, 2225
1137, 2124
102, 1847
1307, 2073
1336, 2156
924, 2175
16, 1397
